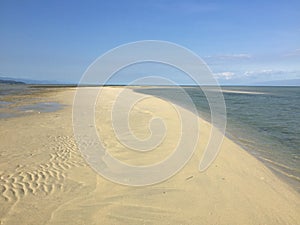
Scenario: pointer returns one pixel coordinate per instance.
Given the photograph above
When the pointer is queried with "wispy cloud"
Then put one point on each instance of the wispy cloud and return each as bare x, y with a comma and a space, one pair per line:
263, 72
269, 75
229, 56
255, 76
224, 75
295, 52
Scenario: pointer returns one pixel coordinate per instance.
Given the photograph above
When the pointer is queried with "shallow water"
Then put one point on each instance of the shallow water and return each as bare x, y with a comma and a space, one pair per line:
41, 107
18, 100
263, 120
4, 104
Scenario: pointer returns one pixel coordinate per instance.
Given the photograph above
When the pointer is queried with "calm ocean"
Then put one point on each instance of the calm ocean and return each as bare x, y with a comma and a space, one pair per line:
263, 120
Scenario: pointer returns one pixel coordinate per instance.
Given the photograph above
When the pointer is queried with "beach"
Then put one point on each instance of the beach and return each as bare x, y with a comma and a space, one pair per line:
45, 180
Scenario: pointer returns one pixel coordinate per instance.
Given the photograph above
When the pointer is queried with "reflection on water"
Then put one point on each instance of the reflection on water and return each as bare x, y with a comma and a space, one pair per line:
4, 104
41, 107
19, 100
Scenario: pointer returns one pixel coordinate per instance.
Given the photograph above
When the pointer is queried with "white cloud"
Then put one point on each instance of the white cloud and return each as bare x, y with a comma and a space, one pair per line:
256, 76
229, 56
296, 52
224, 75
263, 72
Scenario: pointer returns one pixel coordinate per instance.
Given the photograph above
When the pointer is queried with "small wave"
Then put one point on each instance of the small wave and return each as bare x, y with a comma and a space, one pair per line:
276, 163
281, 168
286, 174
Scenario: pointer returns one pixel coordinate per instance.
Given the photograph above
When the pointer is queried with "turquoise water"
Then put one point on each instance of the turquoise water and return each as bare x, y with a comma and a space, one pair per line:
263, 120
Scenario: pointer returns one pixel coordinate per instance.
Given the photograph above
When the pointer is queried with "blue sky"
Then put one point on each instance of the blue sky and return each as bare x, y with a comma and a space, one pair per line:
243, 42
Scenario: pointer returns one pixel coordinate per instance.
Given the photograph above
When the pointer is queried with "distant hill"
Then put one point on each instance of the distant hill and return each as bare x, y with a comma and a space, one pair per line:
2, 81
9, 80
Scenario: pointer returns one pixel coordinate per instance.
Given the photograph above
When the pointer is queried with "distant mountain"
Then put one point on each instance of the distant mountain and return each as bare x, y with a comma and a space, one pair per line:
2, 81
9, 80
293, 82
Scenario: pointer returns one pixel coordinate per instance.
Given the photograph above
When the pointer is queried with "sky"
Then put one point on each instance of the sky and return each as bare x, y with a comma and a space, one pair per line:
242, 42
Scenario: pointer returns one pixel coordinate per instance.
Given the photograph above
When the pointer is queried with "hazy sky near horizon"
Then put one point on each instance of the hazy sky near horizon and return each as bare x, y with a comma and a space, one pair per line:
243, 42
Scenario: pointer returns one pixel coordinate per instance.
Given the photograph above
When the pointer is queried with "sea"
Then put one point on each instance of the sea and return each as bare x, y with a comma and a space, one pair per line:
265, 121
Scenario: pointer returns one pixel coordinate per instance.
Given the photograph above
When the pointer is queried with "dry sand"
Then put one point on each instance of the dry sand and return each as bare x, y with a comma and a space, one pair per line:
45, 180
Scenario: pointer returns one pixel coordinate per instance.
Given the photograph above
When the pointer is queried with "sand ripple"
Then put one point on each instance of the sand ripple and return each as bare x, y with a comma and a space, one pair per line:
46, 177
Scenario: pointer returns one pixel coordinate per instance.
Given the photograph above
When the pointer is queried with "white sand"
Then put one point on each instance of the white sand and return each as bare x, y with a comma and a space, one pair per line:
44, 179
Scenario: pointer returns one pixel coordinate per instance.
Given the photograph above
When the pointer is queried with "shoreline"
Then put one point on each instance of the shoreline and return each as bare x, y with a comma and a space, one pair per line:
236, 189
283, 174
